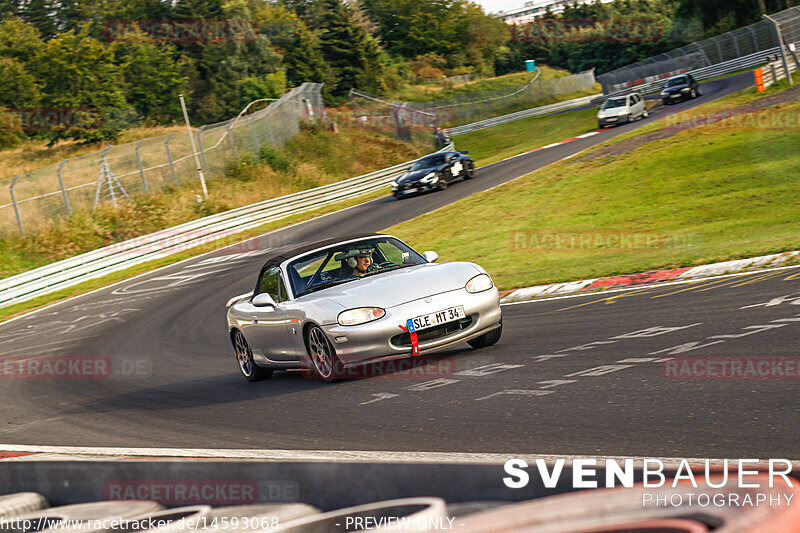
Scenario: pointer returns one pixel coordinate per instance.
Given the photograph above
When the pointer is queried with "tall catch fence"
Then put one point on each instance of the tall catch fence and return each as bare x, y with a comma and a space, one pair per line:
151, 165
391, 118
743, 48
467, 108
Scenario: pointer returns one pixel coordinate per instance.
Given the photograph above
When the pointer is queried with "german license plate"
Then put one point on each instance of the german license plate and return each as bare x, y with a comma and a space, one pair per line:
439, 317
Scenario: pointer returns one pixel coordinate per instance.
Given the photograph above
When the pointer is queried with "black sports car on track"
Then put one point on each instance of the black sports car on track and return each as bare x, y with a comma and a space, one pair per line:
680, 88
434, 171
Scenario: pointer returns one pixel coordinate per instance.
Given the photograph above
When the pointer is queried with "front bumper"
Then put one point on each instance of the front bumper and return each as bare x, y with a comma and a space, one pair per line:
384, 337
611, 121
410, 188
675, 97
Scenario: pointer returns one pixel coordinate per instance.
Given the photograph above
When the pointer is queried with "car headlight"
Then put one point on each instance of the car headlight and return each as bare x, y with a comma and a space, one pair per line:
686, 90
394, 184
480, 283
429, 177
664, 93
361, 315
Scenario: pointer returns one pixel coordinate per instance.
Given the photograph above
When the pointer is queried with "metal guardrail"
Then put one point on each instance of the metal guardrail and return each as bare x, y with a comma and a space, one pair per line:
519, 115
104, 261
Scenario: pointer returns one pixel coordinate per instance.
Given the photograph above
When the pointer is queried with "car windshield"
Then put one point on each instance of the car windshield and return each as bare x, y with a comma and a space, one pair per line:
612, 103
674, 82
428, 162
340, 263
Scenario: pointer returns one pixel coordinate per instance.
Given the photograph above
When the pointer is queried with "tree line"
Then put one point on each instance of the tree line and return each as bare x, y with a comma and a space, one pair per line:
130, 58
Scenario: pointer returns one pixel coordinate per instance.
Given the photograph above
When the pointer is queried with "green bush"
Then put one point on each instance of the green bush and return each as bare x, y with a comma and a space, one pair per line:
243, 169
279, 161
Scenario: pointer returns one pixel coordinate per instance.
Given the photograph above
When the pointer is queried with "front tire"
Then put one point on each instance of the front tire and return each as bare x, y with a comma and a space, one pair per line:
487, 339
441, 182
244, 356
324, 361
469, 170
397, 195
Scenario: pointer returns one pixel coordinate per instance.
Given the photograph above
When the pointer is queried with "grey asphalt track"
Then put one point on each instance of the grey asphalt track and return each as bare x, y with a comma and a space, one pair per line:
554, 384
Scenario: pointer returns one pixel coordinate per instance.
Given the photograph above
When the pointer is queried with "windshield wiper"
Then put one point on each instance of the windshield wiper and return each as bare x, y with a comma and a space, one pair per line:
324, 285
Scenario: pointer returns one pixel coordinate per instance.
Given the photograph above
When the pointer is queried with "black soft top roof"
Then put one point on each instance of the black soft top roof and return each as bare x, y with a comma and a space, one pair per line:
280, 255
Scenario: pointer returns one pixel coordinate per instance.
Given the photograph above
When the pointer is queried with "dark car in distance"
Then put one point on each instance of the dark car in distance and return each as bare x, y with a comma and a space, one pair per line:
434, 172
680, 88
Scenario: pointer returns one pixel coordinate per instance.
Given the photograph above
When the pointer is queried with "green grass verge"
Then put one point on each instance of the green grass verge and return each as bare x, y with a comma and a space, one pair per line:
714, 193
11, 311
506, 140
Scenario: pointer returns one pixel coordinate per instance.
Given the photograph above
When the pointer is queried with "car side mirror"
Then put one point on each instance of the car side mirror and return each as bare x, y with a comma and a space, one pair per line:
263, 300
464, 151
430, 257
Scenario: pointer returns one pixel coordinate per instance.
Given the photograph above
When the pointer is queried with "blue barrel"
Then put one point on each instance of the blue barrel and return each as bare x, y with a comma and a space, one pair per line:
530, 65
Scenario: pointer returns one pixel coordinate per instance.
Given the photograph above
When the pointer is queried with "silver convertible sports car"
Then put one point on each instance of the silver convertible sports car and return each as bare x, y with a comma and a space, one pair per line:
333, 305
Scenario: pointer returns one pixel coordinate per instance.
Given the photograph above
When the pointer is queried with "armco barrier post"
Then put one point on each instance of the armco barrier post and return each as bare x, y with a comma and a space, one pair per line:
14, 202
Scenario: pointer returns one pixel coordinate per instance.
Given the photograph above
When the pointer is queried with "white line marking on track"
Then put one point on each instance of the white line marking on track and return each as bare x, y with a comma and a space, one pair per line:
28, 349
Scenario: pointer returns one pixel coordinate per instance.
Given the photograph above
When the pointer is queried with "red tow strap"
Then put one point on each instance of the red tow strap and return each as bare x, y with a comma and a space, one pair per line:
412, 332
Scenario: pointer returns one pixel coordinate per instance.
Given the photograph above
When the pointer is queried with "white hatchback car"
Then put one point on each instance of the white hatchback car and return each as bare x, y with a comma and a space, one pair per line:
621, 110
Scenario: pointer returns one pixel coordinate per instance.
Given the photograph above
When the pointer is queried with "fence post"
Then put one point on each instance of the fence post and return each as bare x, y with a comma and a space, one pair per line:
141, 167
736, 44
719, 49
755, 38
16, 207
256, 140
169, 158
202, 150
782, 46
229, 133
63, 190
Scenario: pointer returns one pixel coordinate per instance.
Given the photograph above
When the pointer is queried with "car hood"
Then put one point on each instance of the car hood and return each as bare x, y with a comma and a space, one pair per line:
400, 286
603, 113
675, 88
416, 175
